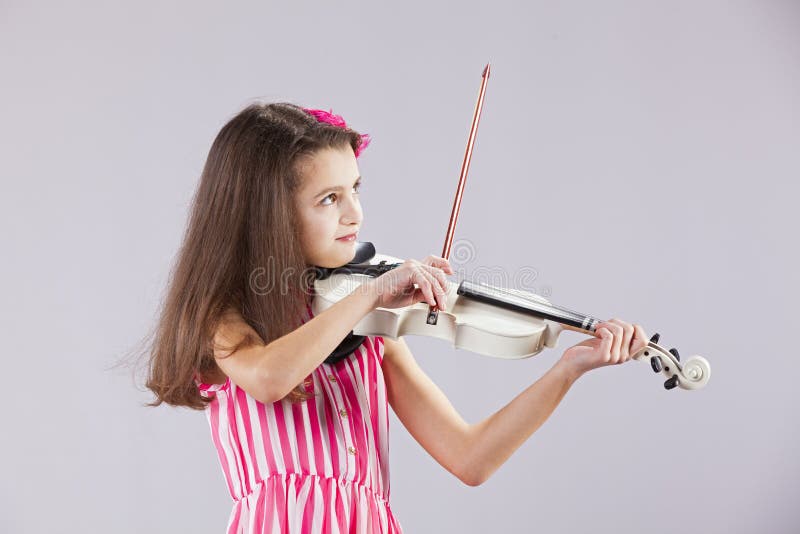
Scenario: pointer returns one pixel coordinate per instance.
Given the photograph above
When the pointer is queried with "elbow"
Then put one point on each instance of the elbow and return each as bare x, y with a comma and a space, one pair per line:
471, 482
275, 380
473, 476
269, 388
266, 397
471, 471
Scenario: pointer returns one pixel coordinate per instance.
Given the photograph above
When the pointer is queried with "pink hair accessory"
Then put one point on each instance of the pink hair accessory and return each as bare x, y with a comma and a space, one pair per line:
331, 118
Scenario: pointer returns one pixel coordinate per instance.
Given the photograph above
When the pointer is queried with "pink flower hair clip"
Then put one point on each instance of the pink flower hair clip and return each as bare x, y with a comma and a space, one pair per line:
331, 118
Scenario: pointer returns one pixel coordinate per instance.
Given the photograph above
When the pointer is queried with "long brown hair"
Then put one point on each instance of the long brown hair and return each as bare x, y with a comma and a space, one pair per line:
242, 225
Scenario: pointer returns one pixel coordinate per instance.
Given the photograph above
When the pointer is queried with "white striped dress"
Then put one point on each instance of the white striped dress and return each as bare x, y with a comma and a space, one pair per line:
318, 466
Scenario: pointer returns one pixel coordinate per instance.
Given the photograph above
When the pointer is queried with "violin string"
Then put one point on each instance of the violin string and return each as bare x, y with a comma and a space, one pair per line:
574, 313
533, 304
533, 300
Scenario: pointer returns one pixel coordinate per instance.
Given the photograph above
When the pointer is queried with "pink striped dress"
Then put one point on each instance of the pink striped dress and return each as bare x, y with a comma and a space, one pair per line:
318, 466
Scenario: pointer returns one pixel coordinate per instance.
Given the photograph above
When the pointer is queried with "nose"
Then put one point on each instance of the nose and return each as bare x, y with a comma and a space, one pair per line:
351, 211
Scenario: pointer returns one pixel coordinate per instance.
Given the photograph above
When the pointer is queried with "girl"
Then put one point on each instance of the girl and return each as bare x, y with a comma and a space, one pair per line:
303, 440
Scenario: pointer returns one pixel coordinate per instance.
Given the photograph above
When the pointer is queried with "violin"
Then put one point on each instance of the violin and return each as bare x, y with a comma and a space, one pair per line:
489, 320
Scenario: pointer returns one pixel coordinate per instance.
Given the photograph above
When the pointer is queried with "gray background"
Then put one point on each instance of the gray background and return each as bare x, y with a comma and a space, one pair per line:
642, 157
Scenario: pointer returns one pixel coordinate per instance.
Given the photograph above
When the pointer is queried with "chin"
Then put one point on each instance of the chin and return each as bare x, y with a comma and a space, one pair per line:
341, 255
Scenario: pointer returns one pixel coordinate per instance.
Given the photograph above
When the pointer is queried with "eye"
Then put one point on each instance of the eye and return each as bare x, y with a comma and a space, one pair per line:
356, 188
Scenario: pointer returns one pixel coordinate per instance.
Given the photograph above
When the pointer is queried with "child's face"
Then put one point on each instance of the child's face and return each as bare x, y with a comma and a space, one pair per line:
328, 207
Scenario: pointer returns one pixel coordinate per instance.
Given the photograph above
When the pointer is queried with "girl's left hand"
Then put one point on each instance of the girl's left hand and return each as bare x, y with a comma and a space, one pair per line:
616, 343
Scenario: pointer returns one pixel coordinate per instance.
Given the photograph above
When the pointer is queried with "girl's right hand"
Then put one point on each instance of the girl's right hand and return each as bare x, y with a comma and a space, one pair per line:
395, 288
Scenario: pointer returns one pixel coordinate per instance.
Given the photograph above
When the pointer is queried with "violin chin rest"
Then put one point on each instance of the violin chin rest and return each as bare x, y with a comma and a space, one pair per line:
365, 251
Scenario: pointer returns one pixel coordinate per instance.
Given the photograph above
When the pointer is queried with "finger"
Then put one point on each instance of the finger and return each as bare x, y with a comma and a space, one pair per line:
420, 278
627, 337
440, 277
438, 261
606, 342
640, 340
436, 285
438, 282
417, 296
616, 330
412, 282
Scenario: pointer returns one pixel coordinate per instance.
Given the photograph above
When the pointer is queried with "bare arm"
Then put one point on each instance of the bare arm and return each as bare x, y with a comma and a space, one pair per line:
269, 372
471, 452
495, 439
474, 452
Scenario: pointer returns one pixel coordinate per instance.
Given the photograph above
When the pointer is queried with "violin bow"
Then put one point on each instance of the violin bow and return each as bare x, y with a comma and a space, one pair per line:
697, 368
433, 310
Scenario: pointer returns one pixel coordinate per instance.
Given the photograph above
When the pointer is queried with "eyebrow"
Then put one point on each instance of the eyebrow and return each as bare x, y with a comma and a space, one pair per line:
332, 189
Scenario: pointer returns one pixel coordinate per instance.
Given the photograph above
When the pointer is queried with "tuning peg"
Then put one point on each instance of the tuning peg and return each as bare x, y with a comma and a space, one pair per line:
655, 338
674, 352
655, 363
671, 382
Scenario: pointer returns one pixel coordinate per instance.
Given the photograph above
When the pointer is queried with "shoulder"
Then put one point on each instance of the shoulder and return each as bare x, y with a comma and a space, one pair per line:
231, 333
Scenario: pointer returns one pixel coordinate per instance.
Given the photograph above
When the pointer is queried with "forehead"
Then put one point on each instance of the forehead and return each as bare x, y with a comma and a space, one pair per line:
329, 167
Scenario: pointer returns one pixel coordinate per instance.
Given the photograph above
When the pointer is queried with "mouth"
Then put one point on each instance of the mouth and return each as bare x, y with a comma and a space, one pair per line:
348, 237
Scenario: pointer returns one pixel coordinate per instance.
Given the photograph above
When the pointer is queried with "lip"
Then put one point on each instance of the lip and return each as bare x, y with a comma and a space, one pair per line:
348, 237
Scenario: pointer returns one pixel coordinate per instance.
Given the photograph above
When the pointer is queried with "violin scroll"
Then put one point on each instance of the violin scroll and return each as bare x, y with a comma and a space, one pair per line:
693, 374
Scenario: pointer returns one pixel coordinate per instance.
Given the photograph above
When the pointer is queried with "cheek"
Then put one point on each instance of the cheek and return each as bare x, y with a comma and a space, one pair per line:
319, 226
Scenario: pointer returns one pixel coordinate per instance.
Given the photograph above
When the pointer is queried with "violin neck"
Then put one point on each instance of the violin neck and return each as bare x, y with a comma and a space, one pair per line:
529, 303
